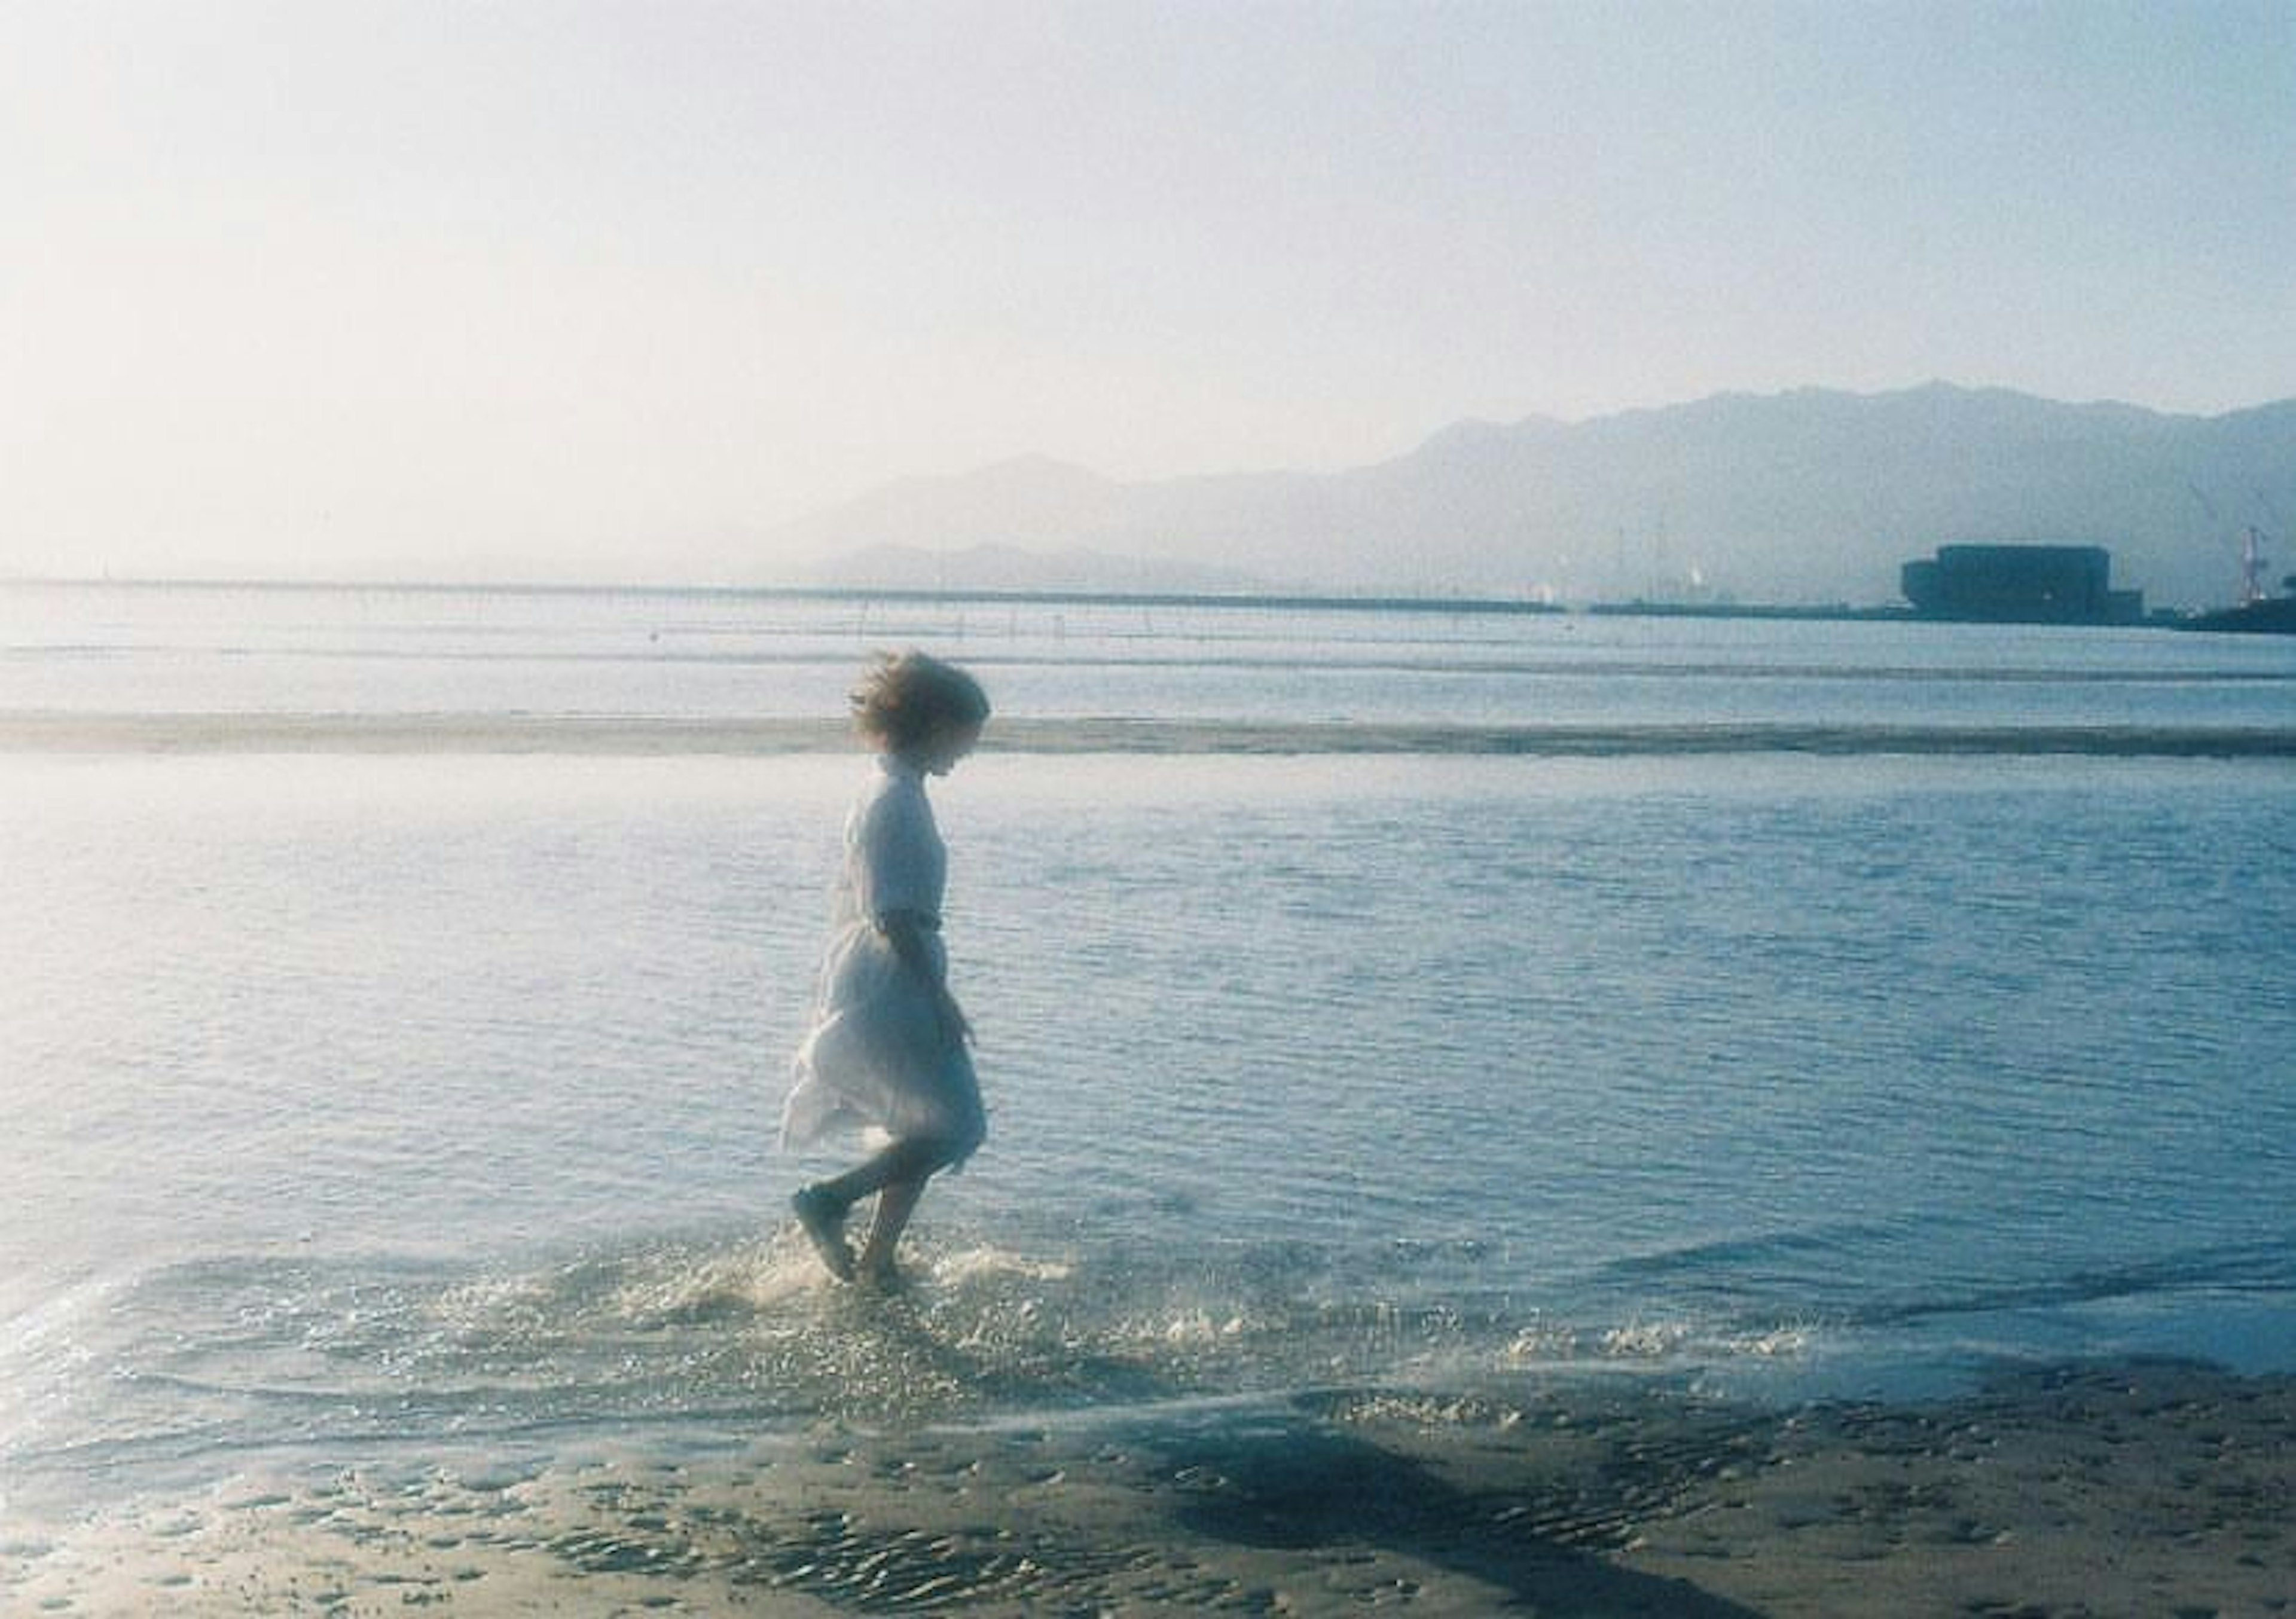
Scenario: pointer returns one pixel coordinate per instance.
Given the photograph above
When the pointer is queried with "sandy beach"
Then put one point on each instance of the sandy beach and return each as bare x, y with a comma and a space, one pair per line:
2148, 1489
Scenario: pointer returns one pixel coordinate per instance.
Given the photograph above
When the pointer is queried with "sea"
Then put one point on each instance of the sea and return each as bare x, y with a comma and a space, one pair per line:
399, 985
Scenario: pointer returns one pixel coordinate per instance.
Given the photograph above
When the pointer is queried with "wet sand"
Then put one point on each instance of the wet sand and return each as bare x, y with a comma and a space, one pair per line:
2134, 1489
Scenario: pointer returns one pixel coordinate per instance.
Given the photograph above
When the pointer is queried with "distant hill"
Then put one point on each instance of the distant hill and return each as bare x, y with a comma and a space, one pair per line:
1810, 497
986, 567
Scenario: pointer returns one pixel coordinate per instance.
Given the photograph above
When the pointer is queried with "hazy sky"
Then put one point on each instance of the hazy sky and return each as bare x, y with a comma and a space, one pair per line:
608, 290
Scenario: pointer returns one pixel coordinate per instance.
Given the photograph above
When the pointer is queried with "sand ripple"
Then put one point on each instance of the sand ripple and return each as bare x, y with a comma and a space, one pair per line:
2145, 1489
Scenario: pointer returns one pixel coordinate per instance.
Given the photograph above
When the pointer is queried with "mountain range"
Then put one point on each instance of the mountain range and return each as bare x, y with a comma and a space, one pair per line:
1812, 496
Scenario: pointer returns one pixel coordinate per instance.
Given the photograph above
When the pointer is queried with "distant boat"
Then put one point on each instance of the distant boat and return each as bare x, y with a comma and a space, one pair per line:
2258, 614
2273, 616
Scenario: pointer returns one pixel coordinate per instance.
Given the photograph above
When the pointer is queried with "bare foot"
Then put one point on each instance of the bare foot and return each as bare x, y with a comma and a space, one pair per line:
822, 1218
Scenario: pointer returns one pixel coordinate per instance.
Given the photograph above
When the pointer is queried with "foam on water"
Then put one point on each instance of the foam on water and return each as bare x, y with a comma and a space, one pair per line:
199, 1370
224, 1363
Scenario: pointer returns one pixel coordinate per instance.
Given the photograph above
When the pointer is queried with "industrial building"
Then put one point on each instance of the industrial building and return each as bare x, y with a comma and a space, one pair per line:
2020, 584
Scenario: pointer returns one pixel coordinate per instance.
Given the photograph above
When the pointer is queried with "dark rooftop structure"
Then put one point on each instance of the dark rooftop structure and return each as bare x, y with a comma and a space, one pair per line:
2020, 584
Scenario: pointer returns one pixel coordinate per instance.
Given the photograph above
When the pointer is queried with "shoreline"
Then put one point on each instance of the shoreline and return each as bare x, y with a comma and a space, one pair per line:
2131, 1487
644, 736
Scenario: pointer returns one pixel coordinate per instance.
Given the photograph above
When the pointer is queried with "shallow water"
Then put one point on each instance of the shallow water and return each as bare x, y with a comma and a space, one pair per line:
697, 656
366, 1102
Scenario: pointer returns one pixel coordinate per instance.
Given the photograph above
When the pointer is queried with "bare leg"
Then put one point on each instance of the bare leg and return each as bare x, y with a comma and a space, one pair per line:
911, 1158
895, 1203
822, 1217
898, 1176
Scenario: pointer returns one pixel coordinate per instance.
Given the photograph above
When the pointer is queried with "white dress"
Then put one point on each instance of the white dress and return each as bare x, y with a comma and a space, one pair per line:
877, 1056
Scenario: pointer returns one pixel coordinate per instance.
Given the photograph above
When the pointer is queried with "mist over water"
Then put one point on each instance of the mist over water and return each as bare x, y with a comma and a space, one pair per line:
361, 1100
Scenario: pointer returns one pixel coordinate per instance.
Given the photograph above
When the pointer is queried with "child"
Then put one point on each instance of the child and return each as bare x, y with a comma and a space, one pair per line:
888, 1046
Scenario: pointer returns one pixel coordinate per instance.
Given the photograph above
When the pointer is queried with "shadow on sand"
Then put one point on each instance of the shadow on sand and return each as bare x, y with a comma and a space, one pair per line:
1302, 1486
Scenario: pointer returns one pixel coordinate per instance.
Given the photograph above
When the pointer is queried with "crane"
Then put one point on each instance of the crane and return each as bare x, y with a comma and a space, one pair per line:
2252, 567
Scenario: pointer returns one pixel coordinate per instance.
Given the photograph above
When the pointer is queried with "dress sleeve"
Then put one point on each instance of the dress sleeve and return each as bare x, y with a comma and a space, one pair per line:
903, 864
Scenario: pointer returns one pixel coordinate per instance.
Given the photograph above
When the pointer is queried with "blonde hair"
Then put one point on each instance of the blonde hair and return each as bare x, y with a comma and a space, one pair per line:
908, 697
